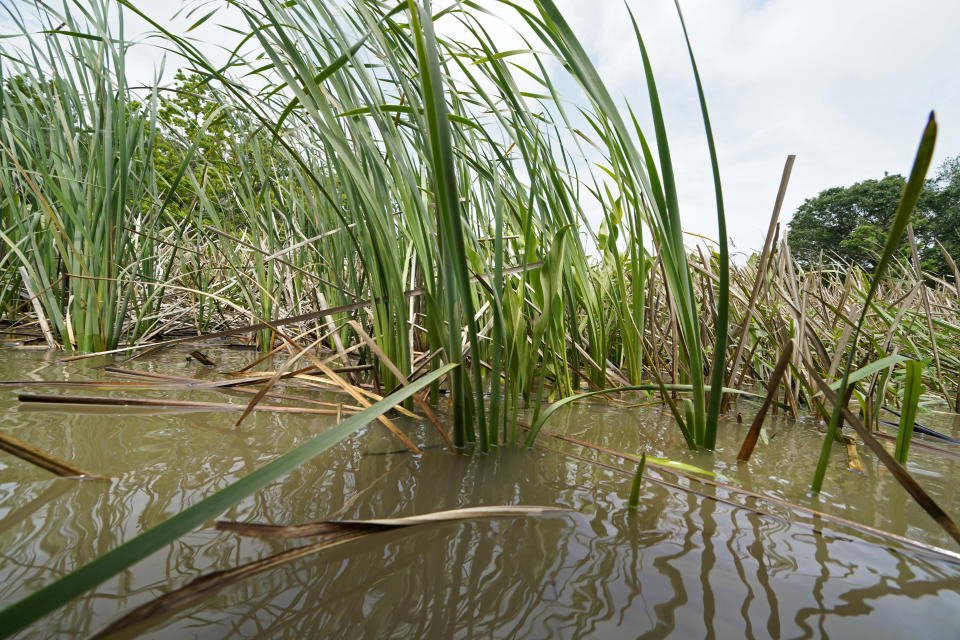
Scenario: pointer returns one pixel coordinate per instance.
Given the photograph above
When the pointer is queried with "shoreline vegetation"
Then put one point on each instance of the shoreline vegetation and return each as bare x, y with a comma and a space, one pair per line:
399, 209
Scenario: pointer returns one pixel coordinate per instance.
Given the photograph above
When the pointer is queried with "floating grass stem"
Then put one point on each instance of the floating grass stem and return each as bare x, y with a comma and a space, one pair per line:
54, 595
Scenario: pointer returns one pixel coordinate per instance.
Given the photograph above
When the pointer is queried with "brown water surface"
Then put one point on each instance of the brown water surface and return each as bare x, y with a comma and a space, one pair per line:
681, 565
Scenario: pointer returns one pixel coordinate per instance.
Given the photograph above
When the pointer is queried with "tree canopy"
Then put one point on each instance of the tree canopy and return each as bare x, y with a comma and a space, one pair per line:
850, 223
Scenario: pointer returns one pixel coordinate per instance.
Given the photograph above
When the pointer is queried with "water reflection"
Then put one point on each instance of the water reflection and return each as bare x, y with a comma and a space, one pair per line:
679, 566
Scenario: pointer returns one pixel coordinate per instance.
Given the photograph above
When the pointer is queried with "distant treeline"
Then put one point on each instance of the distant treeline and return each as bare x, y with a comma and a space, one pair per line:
851, 223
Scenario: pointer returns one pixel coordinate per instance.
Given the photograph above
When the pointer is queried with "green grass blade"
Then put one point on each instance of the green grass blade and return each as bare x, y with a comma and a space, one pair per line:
75, 583
719, 368
454, 259
901, 218
674, 253
870, 369
908, 411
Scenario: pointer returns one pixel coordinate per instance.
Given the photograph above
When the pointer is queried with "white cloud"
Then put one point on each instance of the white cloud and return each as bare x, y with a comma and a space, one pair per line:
845, 85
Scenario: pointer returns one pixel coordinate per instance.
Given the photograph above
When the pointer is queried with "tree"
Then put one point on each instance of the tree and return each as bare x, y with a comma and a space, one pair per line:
850, 224
184, 111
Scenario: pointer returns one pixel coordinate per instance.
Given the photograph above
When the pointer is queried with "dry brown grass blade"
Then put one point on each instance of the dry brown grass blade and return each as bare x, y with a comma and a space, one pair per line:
328, 527
953, 267
925, 299
42, 459
163, 403
200, 357
427, 410
746, 450
897, 470
331, 385
905, 305
195, 383
99, 384
265, 389
228, 386
343, 532
355, 392
275, 350
304, 317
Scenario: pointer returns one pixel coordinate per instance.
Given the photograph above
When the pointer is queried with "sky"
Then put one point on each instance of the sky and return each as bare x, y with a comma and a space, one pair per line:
846, 85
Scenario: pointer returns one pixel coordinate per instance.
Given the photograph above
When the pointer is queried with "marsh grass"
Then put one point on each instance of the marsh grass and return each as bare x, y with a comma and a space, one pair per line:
380, 160
417, 199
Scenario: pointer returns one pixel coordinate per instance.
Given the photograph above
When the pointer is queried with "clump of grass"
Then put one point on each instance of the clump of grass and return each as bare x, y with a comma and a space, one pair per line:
80, 198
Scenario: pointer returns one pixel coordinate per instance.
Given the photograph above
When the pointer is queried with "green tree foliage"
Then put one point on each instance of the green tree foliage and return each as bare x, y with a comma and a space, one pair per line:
850, 223
945, 226
189, 111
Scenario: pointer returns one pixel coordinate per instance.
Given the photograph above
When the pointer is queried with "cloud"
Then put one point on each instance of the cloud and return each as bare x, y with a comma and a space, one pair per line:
844, 85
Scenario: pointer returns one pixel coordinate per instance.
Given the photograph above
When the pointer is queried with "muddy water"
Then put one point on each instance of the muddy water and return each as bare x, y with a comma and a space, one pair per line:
681, 565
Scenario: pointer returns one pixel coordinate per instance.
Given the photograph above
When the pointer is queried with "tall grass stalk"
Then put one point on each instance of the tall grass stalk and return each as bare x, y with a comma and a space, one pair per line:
901, 218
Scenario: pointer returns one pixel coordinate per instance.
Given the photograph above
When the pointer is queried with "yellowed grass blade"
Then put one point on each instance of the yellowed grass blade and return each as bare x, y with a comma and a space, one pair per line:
42, 459
427, 410
327, 383
265, 389
227, 385
355, 392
